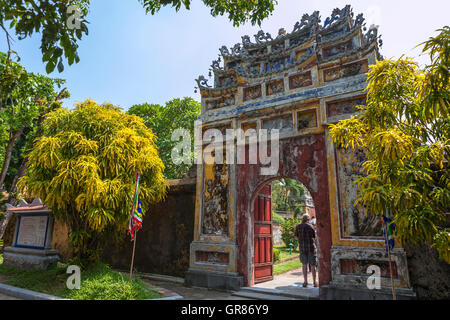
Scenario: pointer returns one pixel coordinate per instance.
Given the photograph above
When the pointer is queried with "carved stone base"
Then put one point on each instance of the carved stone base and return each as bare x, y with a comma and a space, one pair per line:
334, 292
23, 258
350, 267
213, 280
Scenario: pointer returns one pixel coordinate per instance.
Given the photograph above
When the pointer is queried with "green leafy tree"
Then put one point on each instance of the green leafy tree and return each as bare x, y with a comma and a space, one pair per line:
59, 40
404, 132
83, 167
288, 195
287, 232
164, 120
239, 11
25, 98
50, 18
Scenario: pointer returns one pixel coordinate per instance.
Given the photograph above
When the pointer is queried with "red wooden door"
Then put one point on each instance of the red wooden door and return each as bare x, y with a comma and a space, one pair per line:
263, 251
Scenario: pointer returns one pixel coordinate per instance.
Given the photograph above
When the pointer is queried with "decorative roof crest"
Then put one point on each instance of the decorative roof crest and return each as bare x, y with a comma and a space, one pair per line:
262, 37
269, 55
338, 14
307, 21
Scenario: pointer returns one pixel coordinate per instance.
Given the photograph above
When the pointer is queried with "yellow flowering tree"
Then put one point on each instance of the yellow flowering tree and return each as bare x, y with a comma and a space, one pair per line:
405, 132
83, 168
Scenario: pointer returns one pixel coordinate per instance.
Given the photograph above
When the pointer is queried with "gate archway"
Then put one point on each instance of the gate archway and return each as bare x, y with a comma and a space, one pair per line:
304, 159
298, 83
265, 191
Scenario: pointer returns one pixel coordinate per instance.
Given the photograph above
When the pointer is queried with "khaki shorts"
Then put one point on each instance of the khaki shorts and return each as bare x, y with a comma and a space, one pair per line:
308, 258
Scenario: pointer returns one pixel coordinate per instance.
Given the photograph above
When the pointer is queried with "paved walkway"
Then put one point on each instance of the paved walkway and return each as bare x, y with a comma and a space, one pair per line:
190, 293
292, 282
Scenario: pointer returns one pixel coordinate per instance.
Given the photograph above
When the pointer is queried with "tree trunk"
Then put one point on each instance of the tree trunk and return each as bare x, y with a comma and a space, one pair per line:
4, 223
12, 199
8, 152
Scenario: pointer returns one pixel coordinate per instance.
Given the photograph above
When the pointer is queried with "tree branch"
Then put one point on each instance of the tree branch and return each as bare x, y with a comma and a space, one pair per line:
8, 38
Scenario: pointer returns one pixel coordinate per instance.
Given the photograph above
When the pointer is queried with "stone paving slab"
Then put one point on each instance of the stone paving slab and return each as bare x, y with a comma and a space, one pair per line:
193, 293
292, 283
289, 284
254, 294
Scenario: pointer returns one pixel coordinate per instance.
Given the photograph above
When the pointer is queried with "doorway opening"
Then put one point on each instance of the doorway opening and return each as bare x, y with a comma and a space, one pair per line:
278, 208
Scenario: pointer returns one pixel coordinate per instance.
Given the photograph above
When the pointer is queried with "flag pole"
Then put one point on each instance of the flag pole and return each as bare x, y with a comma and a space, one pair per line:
134, 238
132, 256
390, 269
390, 262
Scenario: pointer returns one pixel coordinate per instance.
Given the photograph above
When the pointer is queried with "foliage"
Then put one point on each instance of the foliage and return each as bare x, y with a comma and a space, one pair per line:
288, 195
98, 282
102, 283
404, 132
48, 17
25, 98
164, 120
46, 281
59, 42
276, 255
287, 232
239, 11
277, 218
83, 168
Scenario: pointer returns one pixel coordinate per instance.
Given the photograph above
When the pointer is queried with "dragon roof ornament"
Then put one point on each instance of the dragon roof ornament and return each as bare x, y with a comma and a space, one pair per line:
338, 14
245, 58
307, 22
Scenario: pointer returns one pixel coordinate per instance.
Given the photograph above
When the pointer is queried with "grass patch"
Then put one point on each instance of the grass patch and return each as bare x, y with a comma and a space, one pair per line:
284, 252
98, 282
286, 266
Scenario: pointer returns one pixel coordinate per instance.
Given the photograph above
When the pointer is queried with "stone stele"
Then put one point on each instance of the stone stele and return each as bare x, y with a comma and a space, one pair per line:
31, 248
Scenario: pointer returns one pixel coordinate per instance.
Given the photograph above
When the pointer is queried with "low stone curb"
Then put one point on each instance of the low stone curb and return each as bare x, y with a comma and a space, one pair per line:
169, 298
26, 294
161, 277
281, 293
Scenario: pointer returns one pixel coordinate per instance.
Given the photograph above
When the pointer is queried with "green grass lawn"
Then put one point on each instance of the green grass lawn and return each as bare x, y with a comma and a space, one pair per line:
284, 251
279, 268
97, 283
284, 267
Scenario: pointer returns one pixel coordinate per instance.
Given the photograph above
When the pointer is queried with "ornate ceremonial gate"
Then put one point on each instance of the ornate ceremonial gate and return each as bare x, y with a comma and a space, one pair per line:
298, 83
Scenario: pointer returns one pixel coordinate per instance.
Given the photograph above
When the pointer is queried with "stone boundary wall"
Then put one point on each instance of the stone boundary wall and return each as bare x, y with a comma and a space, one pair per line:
162, 245
277, 233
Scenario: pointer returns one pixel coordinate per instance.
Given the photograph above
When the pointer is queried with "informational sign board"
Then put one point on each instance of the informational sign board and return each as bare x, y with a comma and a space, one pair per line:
32, 231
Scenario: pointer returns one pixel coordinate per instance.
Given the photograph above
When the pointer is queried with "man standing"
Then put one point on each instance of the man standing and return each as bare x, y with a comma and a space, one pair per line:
306, 235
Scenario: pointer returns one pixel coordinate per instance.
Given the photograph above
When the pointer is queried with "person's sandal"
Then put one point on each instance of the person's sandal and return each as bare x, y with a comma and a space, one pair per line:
305, 284
315, 285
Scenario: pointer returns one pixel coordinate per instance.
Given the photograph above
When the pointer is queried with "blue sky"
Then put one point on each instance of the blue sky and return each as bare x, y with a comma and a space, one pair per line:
130, 57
